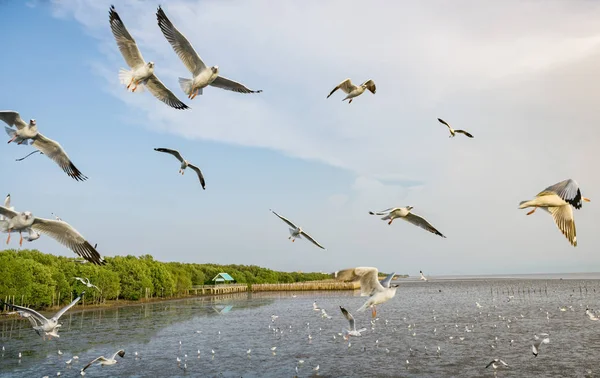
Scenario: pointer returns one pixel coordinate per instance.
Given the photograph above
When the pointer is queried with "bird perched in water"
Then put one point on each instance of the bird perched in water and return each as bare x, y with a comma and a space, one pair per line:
352, 90
453, 132
423, 278
557, 200
184, 164
369, 285
405, 214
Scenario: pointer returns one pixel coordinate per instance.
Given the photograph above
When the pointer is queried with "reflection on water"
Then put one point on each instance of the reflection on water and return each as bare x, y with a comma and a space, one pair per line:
422, 316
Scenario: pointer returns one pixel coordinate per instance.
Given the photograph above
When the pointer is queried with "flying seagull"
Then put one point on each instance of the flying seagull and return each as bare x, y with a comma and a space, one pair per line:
47, 146
352, 331
453, 132
352, 90
297, 232
496, 362
404, 213
86, 282
31, 234
535, 347
105, 361
423, 278
184, 164
557, 200
49, 327
202, 76
141, 73
61, 231
369, 286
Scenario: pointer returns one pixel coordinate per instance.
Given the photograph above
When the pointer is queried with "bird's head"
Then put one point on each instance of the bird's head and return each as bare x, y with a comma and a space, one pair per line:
27, 215
32, 122
409, 208
215, 69
151, 64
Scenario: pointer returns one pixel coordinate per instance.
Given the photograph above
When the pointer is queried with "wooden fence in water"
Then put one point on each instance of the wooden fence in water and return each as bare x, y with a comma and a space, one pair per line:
305, 286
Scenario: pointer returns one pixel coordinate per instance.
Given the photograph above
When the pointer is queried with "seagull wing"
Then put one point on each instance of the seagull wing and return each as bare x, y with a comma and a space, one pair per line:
12, 118
230, 85
563, 217
503, 363
65, 234
158, 89
7, 212
368, 276
54, 151
80, 280
7, 201
383, 212
41, 318
421, 222
370, 84
349, 317
387, 280
125, 41
101, 358
285, 220
464, 132
67, 307
120, 352
345, 85
312, 240
568, 190
491, 363
445, 123
172, 152
197, 170
180, 44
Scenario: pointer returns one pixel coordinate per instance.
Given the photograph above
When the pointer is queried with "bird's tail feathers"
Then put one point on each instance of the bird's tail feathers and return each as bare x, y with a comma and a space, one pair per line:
10, 132
3, 225
186, 86
125, 77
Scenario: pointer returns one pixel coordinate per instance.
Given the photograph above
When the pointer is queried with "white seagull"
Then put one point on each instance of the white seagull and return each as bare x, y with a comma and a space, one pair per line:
46, 327
352, 331
202, 76
86, 282
369, 286
591, 315
352, 90
61, 231
47, 146
105, 361
141, 73
496, 363
453, 132
423, 278
184, 164
404, 213
31, 234
557, 200
535, 347
297, 232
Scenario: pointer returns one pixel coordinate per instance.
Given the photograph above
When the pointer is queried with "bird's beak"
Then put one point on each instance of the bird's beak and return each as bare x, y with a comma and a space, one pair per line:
586, 199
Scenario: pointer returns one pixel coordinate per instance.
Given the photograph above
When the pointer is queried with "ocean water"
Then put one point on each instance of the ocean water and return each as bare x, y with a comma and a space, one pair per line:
422, 317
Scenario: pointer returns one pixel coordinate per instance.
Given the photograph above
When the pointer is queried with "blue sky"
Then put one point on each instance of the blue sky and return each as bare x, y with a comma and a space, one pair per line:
524, 91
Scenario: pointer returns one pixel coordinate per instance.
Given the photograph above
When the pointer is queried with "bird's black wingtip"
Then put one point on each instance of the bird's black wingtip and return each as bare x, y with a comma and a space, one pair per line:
372, 213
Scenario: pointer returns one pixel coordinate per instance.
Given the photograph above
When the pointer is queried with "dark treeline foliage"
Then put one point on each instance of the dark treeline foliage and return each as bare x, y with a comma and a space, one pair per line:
36, 279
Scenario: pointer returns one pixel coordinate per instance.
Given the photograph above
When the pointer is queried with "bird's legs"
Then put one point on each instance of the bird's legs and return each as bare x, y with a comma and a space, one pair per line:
21, 241
8, 240
193, 96
350, 101
130, 83
391, 220
13, 138
373, 311
532, 211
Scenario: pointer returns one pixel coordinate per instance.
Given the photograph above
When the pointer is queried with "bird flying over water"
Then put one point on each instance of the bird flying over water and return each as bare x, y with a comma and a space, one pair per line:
202, 76
557, 200
51, 148
61, 231
369, 286
31, 234
352, 331
86, 282
352, 90
423, 278
105, 361
496, 362
184, 164
405, 213
297, 232
535, 347
141, 74
453, 132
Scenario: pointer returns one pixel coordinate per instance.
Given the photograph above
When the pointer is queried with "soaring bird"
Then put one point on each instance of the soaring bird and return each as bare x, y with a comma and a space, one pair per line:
141, 73
423, 278
404, 213
61, 231
202, 76
86, 282
352, 90
496, 363
352, 331
557, 200
369, 286
46, 327
184, 164
105, 361
453, 132
297, 232
47, 146
31, 234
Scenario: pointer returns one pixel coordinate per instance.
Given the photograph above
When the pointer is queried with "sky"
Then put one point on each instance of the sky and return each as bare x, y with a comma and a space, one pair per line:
521, 76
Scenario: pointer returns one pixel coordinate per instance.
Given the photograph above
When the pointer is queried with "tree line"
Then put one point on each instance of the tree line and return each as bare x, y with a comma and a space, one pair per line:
37, 280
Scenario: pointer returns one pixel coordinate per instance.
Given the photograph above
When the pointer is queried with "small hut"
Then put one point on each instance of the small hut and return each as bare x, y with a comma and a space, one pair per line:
223, 278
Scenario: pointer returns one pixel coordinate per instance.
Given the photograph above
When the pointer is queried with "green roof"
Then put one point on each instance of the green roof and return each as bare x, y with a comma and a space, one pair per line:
224, 276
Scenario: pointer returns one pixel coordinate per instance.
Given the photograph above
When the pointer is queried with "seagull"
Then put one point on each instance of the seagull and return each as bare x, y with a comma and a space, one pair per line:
369, 286
453, 132
141, 73
352, 90
352, 331
86, 282
315, 307
297, 232
47, 146
535, 347
404, 213
496, 362
324, 314
591, 315
478, 305
557, 200
31, 234
49, 327
184, 164
59, 230
202, 76
105, 361
423, 278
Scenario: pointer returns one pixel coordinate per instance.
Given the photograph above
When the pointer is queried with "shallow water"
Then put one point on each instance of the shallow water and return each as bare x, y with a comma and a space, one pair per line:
231, 325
